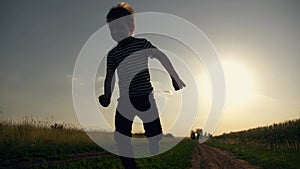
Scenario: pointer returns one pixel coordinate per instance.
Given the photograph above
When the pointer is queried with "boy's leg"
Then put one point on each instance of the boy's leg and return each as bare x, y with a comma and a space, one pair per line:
153, 129
123, 134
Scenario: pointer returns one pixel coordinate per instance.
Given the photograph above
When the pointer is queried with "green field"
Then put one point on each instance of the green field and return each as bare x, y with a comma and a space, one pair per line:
33, 144
39, 144
272, 147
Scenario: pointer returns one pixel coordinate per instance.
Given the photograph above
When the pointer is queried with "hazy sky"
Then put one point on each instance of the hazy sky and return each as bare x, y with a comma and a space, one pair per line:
257, 40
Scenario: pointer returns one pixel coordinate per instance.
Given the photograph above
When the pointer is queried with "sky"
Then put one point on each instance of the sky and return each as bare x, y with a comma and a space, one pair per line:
257, 42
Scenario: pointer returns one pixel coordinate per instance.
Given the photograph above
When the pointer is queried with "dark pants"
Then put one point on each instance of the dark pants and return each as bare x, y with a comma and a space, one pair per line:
123, 124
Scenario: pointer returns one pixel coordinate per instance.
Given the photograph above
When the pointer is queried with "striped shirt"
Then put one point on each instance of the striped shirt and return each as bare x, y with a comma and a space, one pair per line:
130, 59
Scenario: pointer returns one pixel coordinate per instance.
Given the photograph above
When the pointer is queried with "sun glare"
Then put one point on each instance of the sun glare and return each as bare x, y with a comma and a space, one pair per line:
239, 82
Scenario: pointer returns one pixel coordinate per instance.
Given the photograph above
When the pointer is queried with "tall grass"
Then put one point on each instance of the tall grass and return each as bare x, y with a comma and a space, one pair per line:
277, 136
31, 132
41, 138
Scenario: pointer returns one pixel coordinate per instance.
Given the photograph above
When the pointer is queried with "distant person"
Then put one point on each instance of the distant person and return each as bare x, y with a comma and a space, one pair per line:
193, 135
130, 58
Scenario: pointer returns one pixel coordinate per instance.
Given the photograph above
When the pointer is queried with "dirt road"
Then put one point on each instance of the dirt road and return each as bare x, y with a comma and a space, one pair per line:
207, 157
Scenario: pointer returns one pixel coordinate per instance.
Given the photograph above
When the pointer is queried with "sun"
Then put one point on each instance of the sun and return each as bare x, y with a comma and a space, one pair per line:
239, 82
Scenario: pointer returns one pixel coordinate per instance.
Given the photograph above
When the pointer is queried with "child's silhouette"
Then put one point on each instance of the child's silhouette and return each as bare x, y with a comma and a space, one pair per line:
130, 59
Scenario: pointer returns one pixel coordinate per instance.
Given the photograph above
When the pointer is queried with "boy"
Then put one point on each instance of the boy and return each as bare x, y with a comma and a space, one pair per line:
130, 59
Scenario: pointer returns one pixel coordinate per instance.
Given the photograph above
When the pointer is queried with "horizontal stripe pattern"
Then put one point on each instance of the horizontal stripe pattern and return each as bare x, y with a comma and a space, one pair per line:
130, 59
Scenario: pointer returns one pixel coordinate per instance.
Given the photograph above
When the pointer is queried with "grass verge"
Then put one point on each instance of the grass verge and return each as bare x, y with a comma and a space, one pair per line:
35, 145
268, 158
176, 158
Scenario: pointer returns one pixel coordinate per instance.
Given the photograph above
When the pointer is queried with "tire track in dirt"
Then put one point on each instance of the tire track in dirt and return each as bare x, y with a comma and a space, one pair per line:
207, 157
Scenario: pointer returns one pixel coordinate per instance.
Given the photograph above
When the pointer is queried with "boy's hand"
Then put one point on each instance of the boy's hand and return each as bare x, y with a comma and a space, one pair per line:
177, 84
104, 100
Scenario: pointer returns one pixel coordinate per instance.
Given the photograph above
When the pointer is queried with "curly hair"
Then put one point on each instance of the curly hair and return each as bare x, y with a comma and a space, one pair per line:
121, 10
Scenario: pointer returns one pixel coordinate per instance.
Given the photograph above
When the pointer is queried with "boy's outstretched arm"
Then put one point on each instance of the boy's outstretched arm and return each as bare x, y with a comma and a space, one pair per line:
108, 83
176, 81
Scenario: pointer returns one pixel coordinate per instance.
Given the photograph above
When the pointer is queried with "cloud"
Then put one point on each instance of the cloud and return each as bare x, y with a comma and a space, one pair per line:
100, 79
155, 83
71, 77
168, 92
